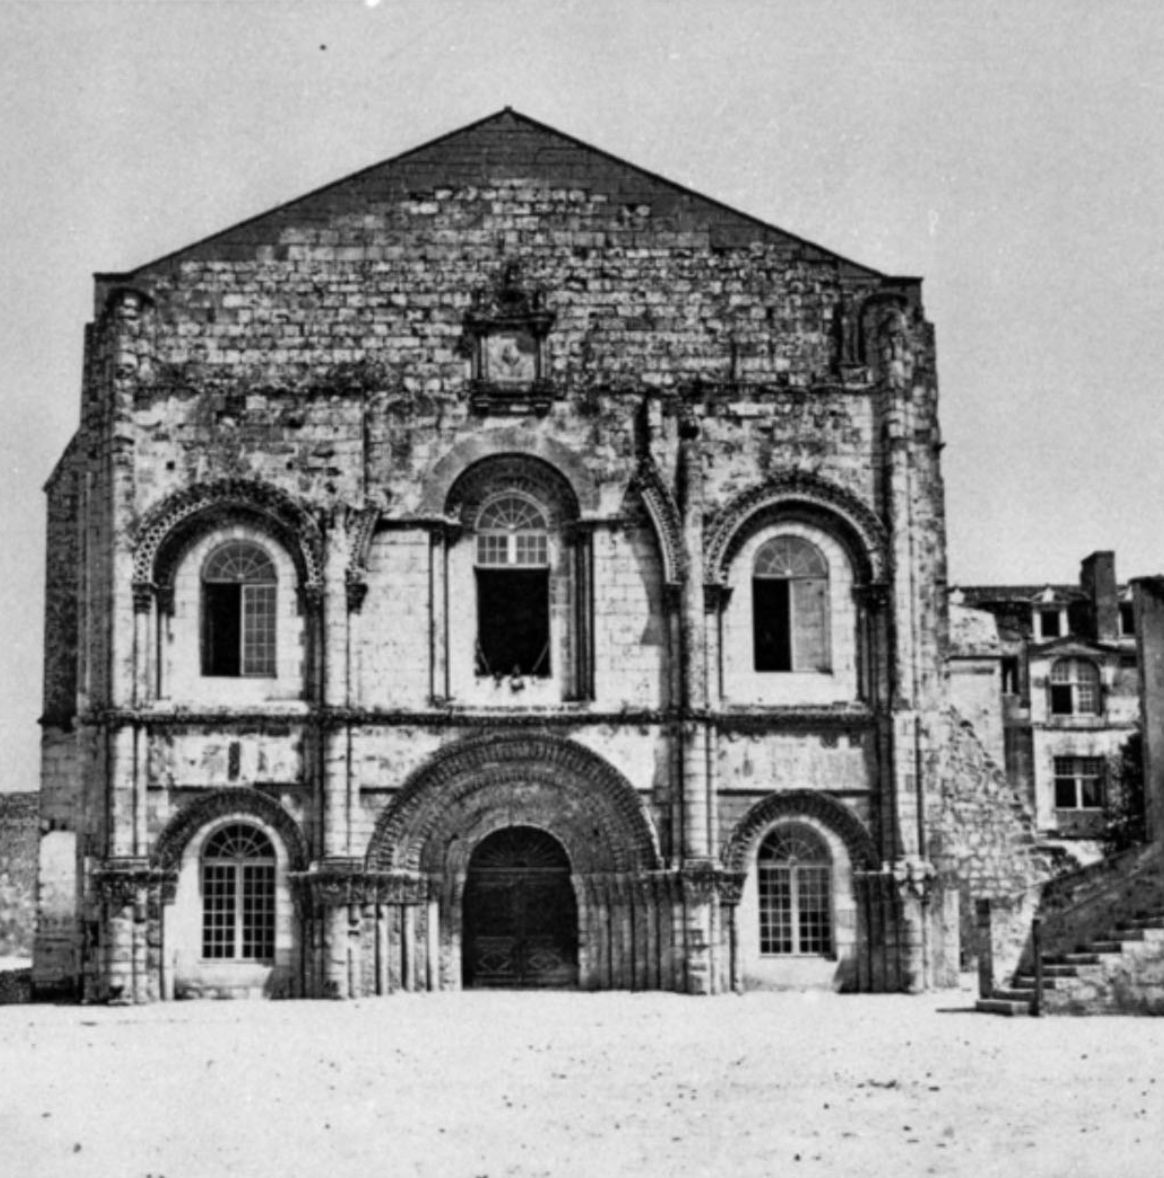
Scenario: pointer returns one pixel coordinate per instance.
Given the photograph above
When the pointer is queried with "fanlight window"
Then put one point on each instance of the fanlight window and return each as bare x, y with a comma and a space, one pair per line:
794, 870
790, 606
513, 588
1075, 688
238, 895
239, 594
511, 530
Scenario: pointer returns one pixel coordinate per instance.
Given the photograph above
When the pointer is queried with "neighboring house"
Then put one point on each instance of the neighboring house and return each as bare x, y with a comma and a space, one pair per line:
505, 567
1066, 670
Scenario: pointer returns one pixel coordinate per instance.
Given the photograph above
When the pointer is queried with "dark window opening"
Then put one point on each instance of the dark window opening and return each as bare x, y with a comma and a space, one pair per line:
1127, 618
513, 622
772, 625
1051, 623
1010, 676
1079, 783
1062, 699
222, 650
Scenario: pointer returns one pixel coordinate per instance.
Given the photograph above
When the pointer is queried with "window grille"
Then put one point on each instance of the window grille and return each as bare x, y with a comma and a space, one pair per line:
790, 606
794, 870
238, 895
1079, 783
1075, 688
239, 600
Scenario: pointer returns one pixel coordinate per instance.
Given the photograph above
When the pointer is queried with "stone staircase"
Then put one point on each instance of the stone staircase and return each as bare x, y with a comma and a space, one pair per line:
1120, 972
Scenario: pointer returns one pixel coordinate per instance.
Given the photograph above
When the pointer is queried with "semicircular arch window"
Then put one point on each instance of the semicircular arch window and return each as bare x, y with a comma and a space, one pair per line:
790, 606
238, 895
239, 609
513, 587
794, 872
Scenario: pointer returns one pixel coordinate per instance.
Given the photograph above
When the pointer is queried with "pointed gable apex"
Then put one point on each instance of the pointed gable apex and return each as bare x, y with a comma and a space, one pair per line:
503, 147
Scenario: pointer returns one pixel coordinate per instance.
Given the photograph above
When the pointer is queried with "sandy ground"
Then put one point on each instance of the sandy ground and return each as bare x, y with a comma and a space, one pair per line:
476, 1084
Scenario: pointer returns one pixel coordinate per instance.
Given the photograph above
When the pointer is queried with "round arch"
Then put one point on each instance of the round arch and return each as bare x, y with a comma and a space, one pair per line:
512, 442
485, 783
229, 803
171, 526
790, 805
807, 498
537, 478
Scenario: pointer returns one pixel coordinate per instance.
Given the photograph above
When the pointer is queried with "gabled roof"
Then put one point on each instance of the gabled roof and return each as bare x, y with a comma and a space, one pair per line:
505, 145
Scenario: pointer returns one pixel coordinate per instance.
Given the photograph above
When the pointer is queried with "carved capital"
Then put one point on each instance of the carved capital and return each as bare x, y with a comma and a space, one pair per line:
700, 882
716, 596
121, 882
356, 589
914, 878
731, 886
144, 593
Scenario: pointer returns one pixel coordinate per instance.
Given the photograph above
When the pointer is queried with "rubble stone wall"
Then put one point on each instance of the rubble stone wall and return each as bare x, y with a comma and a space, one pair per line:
18, 845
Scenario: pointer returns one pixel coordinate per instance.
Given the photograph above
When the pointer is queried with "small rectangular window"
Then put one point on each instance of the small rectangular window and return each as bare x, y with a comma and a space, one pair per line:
1062, 699
1051, 623
513, 622
1127, 618
1010, 676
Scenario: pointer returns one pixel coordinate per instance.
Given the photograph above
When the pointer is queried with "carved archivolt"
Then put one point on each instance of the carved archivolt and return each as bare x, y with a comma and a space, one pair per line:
166, 531
664, 514
489, 782
799, 496
223, 803
738, 851
512, 472
361, 526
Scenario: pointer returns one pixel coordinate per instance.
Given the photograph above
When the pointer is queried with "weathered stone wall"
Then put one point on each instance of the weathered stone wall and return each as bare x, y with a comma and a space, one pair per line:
981, 835
312, 372
19, 830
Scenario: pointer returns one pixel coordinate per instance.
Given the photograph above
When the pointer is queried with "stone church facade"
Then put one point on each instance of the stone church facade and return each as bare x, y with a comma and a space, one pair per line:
502, 567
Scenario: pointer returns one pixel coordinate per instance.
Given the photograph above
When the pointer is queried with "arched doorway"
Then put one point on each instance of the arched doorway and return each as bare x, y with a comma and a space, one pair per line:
520, 914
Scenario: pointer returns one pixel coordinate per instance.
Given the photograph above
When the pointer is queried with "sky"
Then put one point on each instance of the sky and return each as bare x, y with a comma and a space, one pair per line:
1011, 154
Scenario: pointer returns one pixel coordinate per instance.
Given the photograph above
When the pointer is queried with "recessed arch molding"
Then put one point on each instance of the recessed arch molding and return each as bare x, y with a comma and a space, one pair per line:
799, 803
229, 803
167, 530
804, 497
484, 783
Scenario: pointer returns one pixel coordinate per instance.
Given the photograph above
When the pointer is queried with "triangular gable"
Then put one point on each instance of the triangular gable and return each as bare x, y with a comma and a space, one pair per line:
504, 146
1072, 644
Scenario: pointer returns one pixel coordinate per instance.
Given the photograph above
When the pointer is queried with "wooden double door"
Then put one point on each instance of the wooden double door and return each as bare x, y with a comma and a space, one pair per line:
520, 914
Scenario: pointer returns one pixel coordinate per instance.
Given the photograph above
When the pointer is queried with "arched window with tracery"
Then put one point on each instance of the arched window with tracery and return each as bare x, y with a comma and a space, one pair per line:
238, 895
790, 606
795, 874
239, 599
1075, 688
513, 587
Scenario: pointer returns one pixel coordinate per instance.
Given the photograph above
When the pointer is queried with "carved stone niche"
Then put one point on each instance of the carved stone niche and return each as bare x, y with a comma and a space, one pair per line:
505, 334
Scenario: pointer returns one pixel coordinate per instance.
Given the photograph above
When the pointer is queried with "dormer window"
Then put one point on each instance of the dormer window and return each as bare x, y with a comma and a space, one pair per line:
1049, 622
